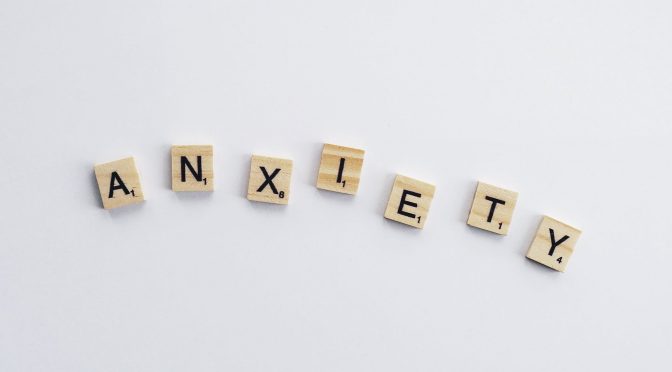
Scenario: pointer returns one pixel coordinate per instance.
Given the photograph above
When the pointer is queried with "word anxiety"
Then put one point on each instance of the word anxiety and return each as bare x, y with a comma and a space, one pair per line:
340, 171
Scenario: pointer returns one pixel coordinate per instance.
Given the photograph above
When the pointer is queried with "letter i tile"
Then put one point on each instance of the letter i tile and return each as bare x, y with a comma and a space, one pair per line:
340, 169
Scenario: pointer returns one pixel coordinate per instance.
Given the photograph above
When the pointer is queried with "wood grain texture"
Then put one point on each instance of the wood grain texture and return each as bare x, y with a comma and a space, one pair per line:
194, 178
492, 208
550, 233
275, 191
409, 201
119, 183
340, 169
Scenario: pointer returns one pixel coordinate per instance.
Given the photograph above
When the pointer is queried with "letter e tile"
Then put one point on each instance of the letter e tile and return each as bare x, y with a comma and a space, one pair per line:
409, 201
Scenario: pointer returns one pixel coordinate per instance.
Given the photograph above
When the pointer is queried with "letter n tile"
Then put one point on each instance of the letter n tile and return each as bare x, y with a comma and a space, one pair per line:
192, 168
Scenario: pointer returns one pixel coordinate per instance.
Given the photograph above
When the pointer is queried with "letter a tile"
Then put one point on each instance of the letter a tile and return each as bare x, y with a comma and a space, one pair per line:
270, 180
409, 201
340, 169
492, 208
119, 183
553, 244
192, 168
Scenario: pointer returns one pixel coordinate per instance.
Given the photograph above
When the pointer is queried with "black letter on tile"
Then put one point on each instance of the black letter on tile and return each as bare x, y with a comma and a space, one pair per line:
554, 243
120, 186
494, 201
184, 163
269, 180
405, 202
341, 166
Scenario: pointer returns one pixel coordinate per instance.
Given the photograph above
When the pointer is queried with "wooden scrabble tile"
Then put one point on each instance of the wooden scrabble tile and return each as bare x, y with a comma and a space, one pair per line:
270, 180
340, 169
192, 168
553, 243
492, 208
119, 183
409, 201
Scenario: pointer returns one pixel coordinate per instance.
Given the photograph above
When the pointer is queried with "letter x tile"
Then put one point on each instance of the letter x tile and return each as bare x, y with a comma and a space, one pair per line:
270, 180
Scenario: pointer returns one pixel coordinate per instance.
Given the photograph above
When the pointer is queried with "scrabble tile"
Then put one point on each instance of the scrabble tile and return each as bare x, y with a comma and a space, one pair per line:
409, 201
492, 208
192, 168
119, 183
340, 169
269, 180
553, 244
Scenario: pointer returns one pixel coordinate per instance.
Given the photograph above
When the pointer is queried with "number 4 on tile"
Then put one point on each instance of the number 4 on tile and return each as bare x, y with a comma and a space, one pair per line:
553, 244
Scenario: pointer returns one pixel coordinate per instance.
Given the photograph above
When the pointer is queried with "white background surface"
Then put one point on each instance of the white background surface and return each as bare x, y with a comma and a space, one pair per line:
566, 102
